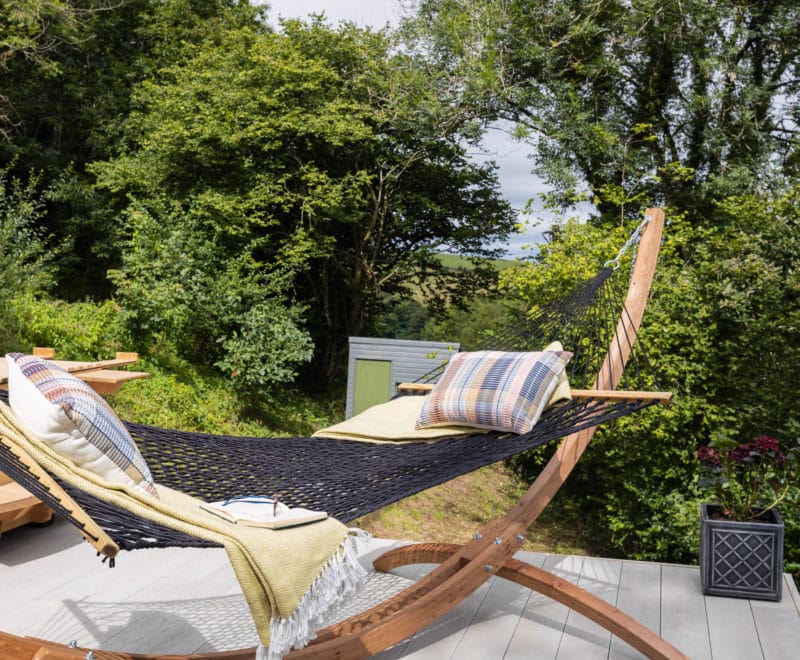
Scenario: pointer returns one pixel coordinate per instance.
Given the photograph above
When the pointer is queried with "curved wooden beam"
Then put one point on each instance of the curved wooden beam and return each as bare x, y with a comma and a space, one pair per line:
582, 601
29, 648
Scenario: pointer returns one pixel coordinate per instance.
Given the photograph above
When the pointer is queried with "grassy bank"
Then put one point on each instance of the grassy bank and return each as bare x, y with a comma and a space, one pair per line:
454, 511
178, 395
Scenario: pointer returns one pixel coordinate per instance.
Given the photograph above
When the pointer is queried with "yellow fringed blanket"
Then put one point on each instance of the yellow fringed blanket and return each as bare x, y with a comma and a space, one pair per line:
290, 577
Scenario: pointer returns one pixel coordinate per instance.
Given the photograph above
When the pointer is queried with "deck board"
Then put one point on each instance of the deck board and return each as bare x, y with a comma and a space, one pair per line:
777, 625
494, 622
187, 600
584, 638
683, 611
732, 629
640, 593
542, 623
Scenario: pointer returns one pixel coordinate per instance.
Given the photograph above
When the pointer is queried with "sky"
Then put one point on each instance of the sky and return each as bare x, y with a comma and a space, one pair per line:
374, 13
517, 183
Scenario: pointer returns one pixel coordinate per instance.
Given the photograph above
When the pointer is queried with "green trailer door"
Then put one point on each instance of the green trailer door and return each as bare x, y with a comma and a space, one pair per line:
373, 384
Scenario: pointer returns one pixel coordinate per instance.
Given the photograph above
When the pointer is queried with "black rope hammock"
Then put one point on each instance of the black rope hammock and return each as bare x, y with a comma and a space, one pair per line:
349, 479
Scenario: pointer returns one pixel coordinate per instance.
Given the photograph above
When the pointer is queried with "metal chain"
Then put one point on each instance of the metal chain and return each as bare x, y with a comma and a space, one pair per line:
634, 239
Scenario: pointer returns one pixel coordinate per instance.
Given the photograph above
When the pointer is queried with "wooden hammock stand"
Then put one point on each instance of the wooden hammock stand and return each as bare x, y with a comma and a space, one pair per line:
462, 568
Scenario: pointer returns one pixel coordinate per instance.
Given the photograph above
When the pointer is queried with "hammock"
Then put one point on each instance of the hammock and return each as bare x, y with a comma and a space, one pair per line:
350, 479
596, 321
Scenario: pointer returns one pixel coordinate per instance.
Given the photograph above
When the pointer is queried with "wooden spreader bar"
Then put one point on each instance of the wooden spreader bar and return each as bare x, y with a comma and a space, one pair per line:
623, 395
463, 568
600, 395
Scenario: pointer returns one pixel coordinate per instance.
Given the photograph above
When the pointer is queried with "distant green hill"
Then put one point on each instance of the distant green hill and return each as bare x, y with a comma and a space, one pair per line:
455, 261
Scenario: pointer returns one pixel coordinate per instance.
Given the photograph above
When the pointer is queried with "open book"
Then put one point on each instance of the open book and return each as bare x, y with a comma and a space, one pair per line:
262, 511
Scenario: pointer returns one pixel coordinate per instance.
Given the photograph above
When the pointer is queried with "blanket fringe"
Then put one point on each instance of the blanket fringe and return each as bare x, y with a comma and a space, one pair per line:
341, 576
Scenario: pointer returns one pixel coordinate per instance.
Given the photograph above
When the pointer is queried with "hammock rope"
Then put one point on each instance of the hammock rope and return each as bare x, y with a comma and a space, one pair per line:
350, 479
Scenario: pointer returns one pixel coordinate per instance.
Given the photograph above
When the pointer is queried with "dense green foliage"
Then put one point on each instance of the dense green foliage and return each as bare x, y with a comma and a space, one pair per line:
177, 394
68, 69
249, 197
724, 337
23, 259
693, 106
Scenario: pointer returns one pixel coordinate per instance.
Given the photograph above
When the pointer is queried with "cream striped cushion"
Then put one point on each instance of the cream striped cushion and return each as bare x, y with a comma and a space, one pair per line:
67, 415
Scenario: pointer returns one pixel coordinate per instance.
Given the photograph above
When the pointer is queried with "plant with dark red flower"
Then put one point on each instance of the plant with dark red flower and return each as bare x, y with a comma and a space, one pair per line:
707, 455
751, 478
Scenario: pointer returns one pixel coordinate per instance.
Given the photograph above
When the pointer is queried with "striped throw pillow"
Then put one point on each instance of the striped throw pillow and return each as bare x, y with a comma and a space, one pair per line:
68, 416
494, 390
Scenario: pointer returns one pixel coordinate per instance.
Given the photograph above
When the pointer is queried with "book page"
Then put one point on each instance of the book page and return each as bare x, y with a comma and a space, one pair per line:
262, 511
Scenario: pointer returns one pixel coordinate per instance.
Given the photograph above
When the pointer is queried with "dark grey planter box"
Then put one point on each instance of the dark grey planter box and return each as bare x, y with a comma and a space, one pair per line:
741, 559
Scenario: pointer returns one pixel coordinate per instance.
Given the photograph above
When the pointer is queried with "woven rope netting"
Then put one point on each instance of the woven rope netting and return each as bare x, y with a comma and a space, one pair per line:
350, 479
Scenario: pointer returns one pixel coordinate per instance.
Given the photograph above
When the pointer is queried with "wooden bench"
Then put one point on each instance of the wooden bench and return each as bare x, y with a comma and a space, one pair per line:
17, 506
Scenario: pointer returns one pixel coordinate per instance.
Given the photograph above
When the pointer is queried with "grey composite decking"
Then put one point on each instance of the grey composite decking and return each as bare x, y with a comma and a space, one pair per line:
187, 600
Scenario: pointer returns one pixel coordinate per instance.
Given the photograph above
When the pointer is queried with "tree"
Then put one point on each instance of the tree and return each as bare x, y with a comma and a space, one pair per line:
69, 65
322, 161
67, 70
672, 102
31, 34
692, 105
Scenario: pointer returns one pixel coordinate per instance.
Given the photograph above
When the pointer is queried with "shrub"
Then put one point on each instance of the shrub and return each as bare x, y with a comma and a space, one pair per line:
78, 331
722, 331
267, 348
25, 266
181, 293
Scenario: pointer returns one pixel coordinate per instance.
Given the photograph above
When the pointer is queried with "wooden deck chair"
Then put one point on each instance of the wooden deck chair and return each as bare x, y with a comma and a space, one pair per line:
349, 479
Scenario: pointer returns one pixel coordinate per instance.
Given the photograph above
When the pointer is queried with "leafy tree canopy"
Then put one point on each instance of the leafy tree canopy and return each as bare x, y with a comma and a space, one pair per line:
672, 102
67, 71
318, 167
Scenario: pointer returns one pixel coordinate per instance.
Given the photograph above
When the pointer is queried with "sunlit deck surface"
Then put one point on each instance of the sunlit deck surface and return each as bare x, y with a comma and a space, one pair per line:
52, 586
